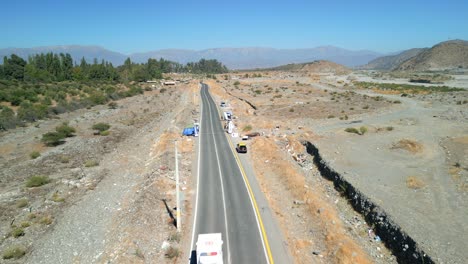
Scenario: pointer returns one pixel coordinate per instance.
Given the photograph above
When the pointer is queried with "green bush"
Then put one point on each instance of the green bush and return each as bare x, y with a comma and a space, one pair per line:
363, 130
36, 181
14, 252
352, 130
17, 232
104, 133
53, 138
65, 130
34, 154
101, 127
236, 83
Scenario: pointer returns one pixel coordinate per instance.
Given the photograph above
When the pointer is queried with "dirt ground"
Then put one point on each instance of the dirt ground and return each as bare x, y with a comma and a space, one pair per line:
410, 159
105, 199
110, 198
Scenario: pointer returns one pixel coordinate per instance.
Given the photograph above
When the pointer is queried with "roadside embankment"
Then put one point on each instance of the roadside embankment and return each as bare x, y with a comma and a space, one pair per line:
403, 246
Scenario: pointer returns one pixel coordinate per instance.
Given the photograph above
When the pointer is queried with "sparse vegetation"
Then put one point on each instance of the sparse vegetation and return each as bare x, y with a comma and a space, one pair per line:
414, 183
172, 252
406, 88
352, 130
21, 203
52, 139
36, 181
17, 232
101, 127
247, 128
65, 130
34, 155
363, 130
91, 163
57, 198
46, 220
174, 237
14, 252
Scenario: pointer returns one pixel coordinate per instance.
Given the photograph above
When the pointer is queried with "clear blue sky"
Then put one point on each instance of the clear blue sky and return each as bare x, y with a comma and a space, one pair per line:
138, 26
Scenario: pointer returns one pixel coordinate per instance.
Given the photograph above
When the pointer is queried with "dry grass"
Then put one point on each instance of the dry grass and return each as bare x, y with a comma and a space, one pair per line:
413, 182
340, 247
408, 145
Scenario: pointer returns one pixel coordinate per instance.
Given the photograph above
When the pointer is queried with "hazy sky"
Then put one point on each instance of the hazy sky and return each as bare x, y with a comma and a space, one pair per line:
134, 26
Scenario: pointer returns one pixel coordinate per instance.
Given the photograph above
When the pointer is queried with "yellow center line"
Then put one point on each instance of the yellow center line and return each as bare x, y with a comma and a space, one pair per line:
257, 211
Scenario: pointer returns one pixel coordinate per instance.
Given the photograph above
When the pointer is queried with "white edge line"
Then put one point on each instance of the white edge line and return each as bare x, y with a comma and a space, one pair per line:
222, 192
198, 179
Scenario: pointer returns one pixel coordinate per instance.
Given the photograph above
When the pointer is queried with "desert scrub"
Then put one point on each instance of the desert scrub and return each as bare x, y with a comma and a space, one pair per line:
46, 220
65, 130
414, 183
36, 181
25, 224
352, 130
331, 116
175, 237
14, 252
104, 133
57, 198
52, 139
91, 163
64, 159
100, 127
172, 252
21, 203
17, 232
34, 154
247, 128
362, 130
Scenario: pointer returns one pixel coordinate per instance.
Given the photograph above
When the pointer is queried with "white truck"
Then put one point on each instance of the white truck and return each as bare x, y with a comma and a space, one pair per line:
210, 249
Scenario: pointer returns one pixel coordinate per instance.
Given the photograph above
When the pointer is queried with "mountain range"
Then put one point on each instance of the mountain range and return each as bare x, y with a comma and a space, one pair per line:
445, 55
233, 58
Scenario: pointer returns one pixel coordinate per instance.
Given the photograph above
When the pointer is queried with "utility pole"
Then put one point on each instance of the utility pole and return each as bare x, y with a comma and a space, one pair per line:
179, 224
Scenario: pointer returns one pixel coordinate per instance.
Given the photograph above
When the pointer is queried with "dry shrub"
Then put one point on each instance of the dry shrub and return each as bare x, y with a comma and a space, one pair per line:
414, 182
408, 145
339, 244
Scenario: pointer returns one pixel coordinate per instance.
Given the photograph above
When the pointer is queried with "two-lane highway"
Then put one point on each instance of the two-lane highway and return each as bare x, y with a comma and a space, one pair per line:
223, 204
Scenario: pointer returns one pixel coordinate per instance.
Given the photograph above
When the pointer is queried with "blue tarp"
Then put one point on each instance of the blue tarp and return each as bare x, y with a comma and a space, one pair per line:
189, 131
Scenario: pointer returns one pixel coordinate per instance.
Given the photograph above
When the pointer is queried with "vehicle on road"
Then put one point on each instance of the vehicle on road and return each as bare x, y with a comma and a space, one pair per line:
241, 148
210, 249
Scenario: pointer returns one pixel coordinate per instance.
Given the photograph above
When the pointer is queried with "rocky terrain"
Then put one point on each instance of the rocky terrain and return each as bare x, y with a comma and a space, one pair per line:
393, 61
447, 55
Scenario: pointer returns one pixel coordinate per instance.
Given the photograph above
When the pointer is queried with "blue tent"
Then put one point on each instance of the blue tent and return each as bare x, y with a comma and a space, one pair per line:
189, 131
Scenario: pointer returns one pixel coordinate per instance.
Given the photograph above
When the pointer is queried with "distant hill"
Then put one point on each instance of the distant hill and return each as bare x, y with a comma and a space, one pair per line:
259, 57
445, 55
393, 61
76, 51
319, 66
233, 58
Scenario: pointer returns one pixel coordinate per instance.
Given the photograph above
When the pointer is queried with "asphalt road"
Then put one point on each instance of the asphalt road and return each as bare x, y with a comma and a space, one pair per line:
223, 203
